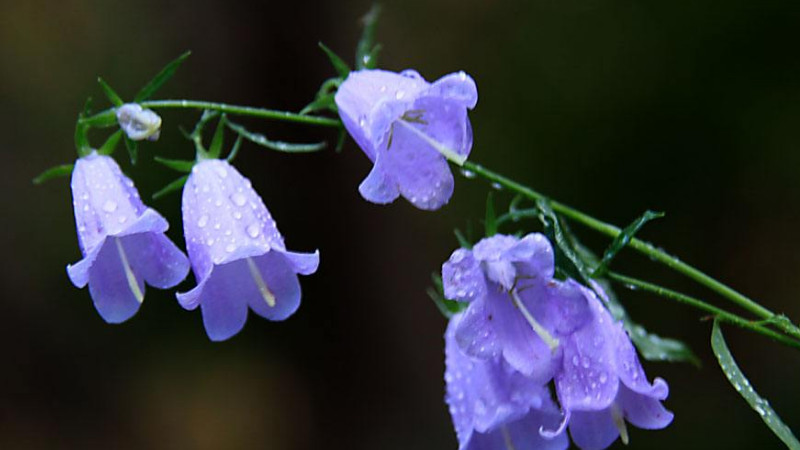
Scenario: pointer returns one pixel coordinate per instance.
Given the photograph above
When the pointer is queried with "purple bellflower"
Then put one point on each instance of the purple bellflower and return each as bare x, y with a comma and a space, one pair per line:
494, 406
408, 128
517, 309
237, 254
601, 383
122, 241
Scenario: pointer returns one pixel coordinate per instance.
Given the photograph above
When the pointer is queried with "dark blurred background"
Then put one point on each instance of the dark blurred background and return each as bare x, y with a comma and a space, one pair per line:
612, 106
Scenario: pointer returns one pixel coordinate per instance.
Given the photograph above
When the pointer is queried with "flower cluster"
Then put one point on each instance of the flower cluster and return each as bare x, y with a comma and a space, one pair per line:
522, 330
238, 256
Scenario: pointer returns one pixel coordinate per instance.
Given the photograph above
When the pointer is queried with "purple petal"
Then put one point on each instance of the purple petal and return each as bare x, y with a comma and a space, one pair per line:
223, 300
278, 276
588, 379
534, 256
475, 332
593, 430
643, 411
445, 122
421, 173
303, 263
154, 257
522, 434
630, 371
109, 286
561, 307
462, 277
378, 187
458, 86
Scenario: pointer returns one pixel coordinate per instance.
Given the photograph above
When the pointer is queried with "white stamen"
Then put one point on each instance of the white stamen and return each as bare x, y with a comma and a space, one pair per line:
132, 283
507, 438
451, 155
268, 296
548, 338
619, 421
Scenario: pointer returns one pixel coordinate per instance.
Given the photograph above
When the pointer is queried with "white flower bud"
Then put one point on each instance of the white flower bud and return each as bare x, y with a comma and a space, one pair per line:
139, 123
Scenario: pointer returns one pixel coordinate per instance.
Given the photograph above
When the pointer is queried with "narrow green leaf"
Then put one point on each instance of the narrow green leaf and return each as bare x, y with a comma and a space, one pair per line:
448, 308
87, 106
180, 165
110, 144
103, 119
567, 259
172, 187
462, 241
215, 149
366, 49
320, 104
162, 77
82, 138
235, 149
133, 149
338, 63
490, 223
111, 95
280, 146
745, 389
340, 140
54, 172
622, 240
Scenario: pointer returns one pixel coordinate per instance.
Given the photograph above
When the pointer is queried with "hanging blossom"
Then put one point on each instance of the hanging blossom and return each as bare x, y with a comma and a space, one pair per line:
546, 330
601, 383
139, 123
122, 241
237, 254
495, 407
409, 129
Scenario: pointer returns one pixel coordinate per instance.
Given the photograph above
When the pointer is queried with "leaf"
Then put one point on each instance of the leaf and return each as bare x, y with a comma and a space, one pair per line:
179, 165
54, 172
82, 138
110, 144
338, 63
340, 140
133, 148
217, 140
280, 146
172, 187
326, 102
745, 389
462, 241
622, 240
490, 223
161, 77
448, 308
105, 119
112, 96
235, 148
567, 259
366, 50
87, 106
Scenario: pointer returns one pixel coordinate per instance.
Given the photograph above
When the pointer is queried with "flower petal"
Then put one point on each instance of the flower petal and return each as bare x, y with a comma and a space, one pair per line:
458, 86
643, 411
110, 287
593, 430
281, 281
378, 187
223, 300
462, 277
156, 259
303, 263
630, 371
475, 332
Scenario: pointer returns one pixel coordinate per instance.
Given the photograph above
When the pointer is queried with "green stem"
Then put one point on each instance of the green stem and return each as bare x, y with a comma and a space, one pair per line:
723, 315
637, 244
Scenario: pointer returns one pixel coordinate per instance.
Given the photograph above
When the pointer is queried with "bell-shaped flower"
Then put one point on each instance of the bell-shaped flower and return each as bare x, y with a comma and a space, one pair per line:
601, 383
238, 256
517, 309
493, 406
139, 123
122, 241
409, 129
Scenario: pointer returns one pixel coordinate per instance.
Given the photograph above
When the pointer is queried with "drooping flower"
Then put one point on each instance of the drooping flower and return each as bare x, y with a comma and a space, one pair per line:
495, 407
237, 254
122, 241
517, 309
409, 128
601, 383
139, 123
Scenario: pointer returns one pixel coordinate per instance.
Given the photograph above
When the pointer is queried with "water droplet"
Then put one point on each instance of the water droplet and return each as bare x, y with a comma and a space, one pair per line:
202, 221
122, 219
497, 186
462, 76
603, 378
237, 215
221, 171
575, 360
399, 95
210, 242
253, 230
383, 89
110, 206
238, 199
230, 248
86, 207
585, 363
218, 202
468, 173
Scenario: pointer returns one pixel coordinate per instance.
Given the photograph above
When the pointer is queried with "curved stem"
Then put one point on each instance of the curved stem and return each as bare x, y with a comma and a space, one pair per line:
637, 244
723, 315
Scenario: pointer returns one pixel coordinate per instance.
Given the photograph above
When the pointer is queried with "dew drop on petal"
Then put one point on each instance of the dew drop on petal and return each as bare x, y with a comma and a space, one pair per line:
221, 171
110, 206
230, 248
202, 221
238, 199
253, 230
237, 215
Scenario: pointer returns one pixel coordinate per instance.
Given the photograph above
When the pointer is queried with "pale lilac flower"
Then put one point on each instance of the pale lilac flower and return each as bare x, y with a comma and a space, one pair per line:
237, 254
122, 241
494, 406
601, 384
139, 123
516, 308
409, 128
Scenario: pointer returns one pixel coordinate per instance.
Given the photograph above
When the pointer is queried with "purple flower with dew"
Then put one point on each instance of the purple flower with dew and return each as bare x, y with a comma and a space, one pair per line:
494, 406
516, 308
122, 241
601, 383
139, 123
237, 254
409, 128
